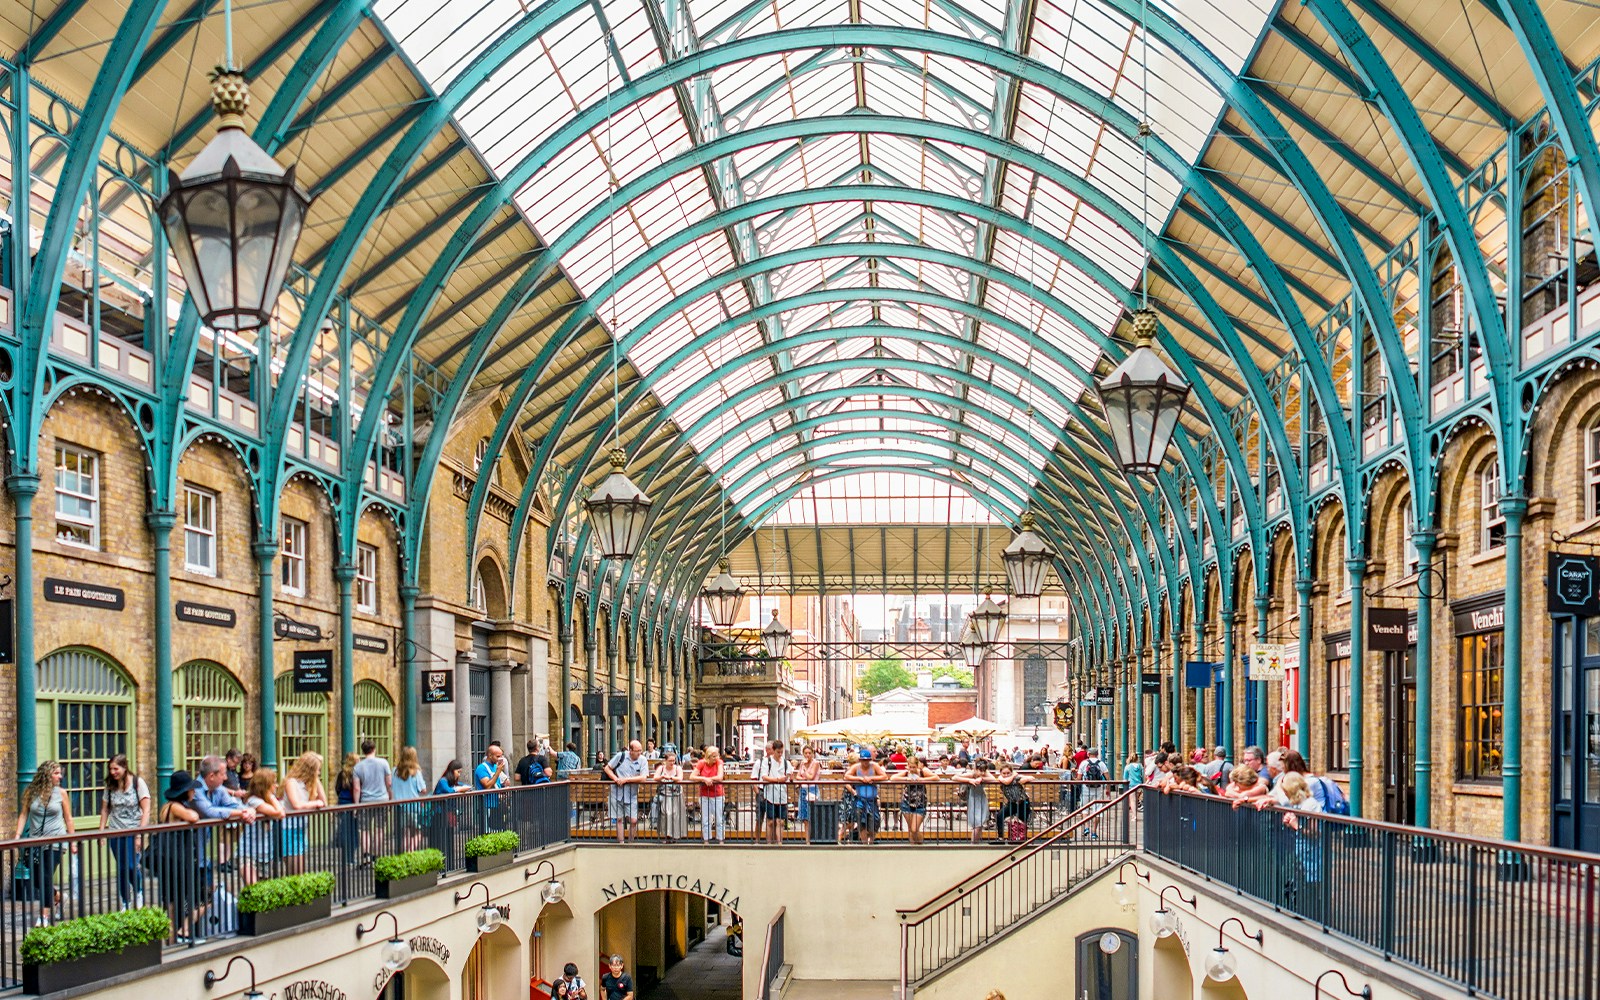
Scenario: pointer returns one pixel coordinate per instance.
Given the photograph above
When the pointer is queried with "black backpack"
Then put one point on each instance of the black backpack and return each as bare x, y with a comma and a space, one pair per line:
1094, 771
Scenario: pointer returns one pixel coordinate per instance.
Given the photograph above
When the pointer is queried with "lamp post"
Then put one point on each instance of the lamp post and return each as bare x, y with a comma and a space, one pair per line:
617, 510
1026, 559
233, 217
1143, 399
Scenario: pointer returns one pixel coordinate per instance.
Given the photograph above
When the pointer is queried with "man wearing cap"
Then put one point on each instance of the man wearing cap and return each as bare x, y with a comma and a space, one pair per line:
864, 775
1217, 766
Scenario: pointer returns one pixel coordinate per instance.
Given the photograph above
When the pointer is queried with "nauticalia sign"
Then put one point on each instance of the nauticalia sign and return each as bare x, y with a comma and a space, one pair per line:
683, 883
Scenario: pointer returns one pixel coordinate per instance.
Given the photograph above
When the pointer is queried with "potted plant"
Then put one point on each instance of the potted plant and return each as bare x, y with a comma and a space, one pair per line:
276, 903
401, 874
88, 949
488, 851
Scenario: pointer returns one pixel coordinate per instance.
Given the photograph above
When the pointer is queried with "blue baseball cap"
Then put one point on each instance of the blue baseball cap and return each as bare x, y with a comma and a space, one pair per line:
866, 754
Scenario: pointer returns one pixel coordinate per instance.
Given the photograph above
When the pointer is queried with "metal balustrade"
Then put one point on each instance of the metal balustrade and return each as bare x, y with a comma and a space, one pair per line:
1002, 896
1494, 918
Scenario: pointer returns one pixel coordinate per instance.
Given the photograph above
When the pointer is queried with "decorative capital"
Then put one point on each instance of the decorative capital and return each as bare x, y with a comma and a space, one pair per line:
230, 96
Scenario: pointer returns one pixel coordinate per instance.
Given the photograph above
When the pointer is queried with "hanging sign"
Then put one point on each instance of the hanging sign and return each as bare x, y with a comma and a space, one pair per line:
438, 687
1198, 673
617, 705
1266, 661
668, 712
1105, 696
594, 703
86, 595
1062, 717
1386, 629
695, 717
205, 614
8, 631
1573, 586
370, 643
1149, 683
313, 670
285, 627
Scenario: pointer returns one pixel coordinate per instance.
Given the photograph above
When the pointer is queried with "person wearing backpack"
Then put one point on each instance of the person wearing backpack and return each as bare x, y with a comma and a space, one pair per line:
1329, 798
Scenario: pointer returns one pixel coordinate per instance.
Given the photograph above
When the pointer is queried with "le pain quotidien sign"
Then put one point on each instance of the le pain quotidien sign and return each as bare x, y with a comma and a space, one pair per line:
84, 595
683, 883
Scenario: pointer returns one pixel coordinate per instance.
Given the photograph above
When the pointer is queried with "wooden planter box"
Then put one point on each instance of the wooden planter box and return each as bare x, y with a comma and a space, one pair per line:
407, 886
89, 969
285, 917
490, 862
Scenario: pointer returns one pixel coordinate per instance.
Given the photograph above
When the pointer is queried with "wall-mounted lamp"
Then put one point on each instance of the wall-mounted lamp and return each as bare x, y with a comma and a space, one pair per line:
212, 979
1365, 992
489, 917
395, 953
1163, 922
1221, 966
1122, 890
553, 891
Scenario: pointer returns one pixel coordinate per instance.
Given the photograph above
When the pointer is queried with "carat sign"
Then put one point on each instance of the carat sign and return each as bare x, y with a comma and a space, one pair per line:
1573, 587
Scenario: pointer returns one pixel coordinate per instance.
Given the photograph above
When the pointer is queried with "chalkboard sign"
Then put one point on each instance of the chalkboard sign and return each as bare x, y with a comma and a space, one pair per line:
313, 670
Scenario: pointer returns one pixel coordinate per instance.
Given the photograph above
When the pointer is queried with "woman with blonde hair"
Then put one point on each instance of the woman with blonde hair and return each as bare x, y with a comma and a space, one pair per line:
410, 783
45, 812
302, 793
261, 795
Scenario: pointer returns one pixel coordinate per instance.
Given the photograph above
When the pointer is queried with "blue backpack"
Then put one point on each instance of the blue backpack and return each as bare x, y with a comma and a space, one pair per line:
1333, 801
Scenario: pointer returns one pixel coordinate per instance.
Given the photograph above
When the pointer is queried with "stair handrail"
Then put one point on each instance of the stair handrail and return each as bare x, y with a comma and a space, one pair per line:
1063, 827
764, 991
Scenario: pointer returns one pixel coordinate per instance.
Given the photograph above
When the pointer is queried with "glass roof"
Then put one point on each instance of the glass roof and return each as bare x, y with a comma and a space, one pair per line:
883, 349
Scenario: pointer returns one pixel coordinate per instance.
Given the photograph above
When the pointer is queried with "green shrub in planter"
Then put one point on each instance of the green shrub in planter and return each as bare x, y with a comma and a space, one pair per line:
96, 934
396, 867
289, 890
489, 844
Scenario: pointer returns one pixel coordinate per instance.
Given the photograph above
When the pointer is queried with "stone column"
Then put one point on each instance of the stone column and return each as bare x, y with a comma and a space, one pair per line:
500, 724
464, 709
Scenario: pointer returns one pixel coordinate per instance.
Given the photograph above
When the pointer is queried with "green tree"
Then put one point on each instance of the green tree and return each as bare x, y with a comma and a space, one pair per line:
885, 675
962, 675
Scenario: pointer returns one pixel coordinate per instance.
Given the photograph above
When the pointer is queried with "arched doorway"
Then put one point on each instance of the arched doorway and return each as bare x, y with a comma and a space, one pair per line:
675, 945
1108, 965
422, 980
492, 970
1172, 976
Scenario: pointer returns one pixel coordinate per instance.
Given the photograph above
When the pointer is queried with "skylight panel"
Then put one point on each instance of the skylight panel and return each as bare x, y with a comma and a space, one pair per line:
443, 36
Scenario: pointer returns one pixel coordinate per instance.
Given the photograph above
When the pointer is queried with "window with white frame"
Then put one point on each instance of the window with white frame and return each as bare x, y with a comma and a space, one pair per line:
366, 577
1494, 523
199, 530
1591, 471
1409, 544
77, 497
292, 561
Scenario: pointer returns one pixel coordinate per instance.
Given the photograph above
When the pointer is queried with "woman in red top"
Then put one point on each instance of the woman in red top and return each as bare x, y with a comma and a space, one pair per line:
708, 771
897, 760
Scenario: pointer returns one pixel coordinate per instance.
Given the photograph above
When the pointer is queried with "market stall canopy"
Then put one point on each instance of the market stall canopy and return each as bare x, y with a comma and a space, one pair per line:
864, 726
976, 728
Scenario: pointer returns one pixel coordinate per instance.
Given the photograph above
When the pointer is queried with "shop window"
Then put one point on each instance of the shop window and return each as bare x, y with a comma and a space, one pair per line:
1591, 471
292, 557
1339, 714
1493, 535
375, 717
77, 497
208, 707
366, 578
85, 713
302, 723
1482, 697
199, 530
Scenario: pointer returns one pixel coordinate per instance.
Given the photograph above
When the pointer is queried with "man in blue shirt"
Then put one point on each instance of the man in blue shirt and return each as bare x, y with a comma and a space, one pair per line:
214, 801
491, 773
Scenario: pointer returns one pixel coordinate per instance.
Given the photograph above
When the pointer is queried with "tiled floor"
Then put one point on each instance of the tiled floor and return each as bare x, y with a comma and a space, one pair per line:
708, 972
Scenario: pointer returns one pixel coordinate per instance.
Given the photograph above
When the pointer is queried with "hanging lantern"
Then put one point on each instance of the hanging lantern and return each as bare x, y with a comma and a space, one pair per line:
1026, 559
617, 510
989, 618
233, 217
1143, 399
723, 597
973, 648
776, 637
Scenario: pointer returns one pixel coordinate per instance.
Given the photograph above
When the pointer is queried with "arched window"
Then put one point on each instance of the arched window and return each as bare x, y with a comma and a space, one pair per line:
1492, 522
302, 722
1591, 470
208, 711
1444, 316
84, 715
375, 717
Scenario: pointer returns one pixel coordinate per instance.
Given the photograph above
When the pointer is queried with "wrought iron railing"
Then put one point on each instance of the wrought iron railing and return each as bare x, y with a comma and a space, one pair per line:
989, 903
827, 811
772, 956
1496, 919
195, 872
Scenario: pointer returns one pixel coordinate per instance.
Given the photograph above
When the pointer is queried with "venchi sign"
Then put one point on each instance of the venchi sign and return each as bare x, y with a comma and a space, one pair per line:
683, 883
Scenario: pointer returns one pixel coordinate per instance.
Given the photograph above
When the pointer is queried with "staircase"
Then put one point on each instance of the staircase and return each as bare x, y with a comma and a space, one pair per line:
1008, 893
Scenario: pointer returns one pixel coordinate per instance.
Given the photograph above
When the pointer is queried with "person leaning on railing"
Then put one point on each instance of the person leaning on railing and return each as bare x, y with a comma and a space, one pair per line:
182, 870
672, 821
302, 793
258, 842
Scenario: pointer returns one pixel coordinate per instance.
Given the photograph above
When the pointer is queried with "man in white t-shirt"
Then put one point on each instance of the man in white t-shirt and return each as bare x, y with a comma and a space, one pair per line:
772, 770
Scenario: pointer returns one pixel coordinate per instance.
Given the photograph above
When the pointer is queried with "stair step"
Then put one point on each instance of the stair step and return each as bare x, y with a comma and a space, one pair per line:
842, 989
